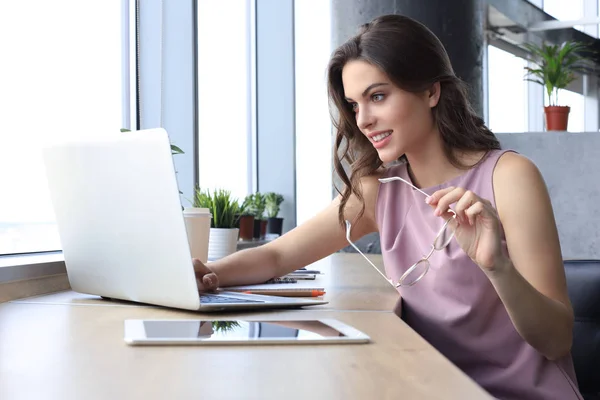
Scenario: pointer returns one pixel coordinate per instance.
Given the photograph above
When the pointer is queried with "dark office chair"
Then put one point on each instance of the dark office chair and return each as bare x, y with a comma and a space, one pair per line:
583, 284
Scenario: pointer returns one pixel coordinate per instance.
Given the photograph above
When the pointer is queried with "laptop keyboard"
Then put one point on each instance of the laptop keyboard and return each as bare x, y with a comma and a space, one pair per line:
220, 299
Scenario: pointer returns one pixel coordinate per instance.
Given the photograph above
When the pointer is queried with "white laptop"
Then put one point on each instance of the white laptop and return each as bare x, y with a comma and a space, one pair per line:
121, 224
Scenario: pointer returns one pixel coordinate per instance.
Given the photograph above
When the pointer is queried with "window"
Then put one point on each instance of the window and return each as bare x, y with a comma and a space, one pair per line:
60, 75
565, 10
313, 124
537, 3
225, 103
576, 114
507, 106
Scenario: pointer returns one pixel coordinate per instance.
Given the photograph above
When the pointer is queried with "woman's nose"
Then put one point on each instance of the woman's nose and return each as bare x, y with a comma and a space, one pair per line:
364, 118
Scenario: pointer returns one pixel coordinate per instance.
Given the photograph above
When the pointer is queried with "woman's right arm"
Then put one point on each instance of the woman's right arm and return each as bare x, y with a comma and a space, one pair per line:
318, 237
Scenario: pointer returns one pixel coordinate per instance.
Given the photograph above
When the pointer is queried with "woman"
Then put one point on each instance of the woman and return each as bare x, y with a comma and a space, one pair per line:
494, 299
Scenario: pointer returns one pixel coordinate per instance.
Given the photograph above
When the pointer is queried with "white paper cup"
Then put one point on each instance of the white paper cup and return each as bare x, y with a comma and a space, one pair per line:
197, 225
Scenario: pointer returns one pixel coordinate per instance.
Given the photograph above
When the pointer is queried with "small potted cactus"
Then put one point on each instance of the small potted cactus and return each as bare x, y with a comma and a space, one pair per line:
272, 205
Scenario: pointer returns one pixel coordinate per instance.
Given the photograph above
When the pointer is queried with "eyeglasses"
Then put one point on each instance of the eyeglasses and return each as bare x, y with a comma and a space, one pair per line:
418, 270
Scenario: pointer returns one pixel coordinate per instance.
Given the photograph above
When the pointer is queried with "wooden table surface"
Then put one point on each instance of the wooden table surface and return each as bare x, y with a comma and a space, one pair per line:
51, 351
350, 282
70, 346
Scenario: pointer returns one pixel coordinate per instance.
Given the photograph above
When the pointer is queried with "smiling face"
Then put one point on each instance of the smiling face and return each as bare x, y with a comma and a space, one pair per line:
395, 121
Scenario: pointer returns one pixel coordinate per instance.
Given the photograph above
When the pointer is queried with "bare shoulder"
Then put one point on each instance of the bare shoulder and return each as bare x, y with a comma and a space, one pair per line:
369, 186
519, 188
525, 211
514, 163
516, 178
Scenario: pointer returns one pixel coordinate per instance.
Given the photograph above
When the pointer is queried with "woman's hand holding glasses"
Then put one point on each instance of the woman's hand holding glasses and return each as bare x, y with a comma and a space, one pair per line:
473, 222
476, 225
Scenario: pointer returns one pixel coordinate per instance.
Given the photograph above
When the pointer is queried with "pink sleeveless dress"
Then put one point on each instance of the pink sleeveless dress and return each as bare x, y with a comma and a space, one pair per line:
454, 306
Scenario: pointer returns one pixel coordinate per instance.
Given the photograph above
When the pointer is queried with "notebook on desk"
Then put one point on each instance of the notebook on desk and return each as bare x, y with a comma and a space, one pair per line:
299, 289
121, 226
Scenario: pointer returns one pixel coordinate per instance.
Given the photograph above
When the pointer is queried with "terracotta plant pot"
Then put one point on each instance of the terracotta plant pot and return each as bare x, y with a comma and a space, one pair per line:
263, 228
557, 117
246, 225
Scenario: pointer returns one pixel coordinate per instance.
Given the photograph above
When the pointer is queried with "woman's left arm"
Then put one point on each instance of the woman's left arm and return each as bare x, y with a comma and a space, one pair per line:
530, 279
531, 283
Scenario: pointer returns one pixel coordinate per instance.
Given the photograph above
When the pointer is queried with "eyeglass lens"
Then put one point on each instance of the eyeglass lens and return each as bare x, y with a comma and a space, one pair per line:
414, 273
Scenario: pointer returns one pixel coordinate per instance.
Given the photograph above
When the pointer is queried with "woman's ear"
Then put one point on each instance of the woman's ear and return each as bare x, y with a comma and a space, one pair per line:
434, 94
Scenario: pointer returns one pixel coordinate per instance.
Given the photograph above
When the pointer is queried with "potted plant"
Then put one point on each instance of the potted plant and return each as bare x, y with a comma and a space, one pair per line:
256, 206
223, 232
246, 220
554, 68
273, 202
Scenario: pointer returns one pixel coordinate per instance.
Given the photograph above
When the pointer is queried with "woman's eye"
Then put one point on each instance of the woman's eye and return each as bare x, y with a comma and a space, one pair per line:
354, 106
377, 97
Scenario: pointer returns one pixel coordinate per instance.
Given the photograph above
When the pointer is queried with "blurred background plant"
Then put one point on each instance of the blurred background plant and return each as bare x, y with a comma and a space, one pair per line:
272, 203
225, 209
556, 65
255, 205
224, 326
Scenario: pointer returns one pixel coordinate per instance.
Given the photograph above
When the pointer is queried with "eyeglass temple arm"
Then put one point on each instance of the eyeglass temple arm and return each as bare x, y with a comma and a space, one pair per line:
348, 226
397, 178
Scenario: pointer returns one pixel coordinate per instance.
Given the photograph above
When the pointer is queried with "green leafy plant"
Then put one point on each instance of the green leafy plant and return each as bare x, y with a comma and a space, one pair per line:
224, 326
174, 149
246, 207
255, 205
225, 210
556, 65
272, 203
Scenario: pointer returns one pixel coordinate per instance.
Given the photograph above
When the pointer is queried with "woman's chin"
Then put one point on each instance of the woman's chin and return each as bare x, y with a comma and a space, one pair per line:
388, 155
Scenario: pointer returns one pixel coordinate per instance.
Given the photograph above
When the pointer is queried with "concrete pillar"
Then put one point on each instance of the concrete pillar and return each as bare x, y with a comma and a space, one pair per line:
458, 24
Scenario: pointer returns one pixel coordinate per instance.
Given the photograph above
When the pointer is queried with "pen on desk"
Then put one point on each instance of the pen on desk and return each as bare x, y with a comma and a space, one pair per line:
288, 293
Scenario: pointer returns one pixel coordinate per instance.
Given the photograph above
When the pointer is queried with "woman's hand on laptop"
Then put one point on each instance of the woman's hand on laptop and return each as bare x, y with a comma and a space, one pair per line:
207, 280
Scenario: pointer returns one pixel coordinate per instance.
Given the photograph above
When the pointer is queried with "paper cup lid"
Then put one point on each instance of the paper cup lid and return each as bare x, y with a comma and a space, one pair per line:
197, 211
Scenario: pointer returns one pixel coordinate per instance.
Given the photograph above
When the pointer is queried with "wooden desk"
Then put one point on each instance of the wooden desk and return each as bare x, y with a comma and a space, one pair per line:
350, 282
68, 352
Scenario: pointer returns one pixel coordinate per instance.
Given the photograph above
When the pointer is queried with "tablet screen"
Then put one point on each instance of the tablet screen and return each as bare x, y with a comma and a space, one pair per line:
237, 329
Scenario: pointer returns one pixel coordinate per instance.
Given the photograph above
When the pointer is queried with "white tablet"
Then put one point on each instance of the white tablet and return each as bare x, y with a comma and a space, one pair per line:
211, 332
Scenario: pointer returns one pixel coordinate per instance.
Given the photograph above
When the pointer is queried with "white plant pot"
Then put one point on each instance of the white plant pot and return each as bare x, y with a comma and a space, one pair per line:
222, 242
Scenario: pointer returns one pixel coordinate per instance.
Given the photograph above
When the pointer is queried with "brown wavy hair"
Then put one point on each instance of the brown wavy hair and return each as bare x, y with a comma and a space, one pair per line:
414, 59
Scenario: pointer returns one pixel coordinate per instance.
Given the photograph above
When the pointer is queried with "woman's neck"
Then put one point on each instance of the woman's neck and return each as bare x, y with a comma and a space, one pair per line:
431, 167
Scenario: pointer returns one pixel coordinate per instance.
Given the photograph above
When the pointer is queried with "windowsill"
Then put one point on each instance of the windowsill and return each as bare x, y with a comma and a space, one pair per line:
37, 265
29, 266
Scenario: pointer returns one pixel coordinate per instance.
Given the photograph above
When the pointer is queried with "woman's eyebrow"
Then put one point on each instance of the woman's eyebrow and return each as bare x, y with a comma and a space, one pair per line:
372, 86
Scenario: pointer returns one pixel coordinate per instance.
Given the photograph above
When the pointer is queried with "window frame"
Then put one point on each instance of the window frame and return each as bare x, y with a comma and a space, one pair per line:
586, 85
38, 264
